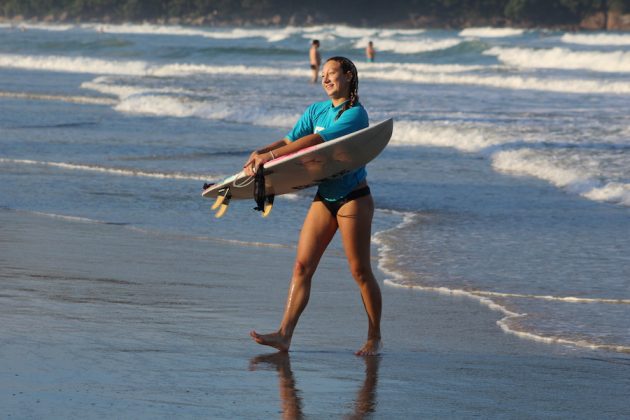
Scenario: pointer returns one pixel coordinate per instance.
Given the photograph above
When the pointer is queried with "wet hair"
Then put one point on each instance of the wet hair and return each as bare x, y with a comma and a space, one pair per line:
348, 66
315, 42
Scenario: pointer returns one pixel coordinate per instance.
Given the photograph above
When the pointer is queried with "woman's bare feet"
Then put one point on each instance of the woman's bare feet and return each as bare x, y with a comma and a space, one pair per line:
370, 348
274, 340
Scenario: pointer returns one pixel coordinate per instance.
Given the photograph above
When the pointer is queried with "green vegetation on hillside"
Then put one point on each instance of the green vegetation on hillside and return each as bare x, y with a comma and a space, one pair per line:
357, 12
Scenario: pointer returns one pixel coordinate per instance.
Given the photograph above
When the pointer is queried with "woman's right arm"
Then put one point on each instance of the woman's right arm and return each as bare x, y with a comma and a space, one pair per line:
272, 146
277, 149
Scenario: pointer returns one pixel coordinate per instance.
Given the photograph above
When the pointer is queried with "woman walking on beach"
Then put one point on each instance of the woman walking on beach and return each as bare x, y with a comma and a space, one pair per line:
343, 204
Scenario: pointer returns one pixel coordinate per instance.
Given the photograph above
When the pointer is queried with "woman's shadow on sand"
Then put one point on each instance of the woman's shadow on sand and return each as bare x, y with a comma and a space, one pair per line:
290, 395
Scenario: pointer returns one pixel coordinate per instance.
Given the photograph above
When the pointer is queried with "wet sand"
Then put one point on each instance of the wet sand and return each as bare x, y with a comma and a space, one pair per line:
105, 321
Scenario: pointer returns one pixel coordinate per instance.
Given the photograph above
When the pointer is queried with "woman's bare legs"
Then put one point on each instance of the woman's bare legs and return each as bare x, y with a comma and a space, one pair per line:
355, 224
318, 230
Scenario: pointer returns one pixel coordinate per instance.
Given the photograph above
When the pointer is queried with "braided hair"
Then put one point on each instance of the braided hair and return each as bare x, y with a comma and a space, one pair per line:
348, 66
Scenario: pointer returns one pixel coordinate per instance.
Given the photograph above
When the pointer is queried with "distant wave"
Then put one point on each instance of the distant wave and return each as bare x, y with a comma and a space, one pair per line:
562, 58
491, 32
176, 103
75, 64
568, 176
412, 46
53, 27
461, 137
593, 176
62, 98
419, 67
271, 35
114, 171
107, 87
406, 73
596, 39
174, 106
581, 86
331, 33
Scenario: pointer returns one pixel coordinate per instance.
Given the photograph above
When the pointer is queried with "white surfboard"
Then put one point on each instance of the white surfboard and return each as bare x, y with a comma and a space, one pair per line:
305, 168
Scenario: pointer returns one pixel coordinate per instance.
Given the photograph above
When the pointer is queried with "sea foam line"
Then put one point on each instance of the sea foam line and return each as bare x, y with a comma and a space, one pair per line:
484, 297
114, 171
503, 323
413, 46
581, 86
530, 163
487, 32
397, 74
562, 58
596, 39
79, 219
62, 98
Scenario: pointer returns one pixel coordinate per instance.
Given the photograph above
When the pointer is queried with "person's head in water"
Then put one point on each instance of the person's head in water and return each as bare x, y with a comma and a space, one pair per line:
340, 80
315, 42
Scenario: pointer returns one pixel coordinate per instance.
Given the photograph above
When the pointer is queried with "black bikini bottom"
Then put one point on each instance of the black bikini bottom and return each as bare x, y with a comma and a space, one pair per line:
334, 206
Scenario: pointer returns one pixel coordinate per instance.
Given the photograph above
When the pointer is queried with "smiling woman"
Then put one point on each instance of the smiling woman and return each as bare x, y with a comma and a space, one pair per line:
343, 204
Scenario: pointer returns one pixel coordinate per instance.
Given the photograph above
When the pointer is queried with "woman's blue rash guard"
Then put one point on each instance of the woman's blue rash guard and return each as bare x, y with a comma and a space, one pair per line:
320, 118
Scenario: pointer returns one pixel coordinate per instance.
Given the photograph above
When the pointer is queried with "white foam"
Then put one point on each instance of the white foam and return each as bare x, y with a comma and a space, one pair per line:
52, 27
562, 173
106, 86
504, 323
596, 39
611, 192
413, 46
562, 58
176, 70
271, 35
385, 259
62, 98
568, 299
74, 64
503, 82
460, 137
403, 32
418, 68
488, 32
67, 218
173, 102
158, 105
408, 73
400, 278
113, 171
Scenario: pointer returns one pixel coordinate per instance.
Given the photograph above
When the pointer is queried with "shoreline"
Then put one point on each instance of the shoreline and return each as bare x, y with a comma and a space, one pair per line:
112, 320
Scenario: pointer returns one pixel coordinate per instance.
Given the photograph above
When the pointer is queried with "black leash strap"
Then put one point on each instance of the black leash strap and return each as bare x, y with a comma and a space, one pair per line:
259, 189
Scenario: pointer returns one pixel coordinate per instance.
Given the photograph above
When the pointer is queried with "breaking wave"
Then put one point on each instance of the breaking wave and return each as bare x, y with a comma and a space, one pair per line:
562, 58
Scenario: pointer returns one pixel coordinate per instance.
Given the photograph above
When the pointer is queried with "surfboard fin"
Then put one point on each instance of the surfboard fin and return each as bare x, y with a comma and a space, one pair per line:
220, 198
268, 205
221, 203
219, 214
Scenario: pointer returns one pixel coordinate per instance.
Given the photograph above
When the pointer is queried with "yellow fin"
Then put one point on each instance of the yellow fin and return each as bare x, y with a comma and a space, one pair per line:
221, 211
267, 210
218, 202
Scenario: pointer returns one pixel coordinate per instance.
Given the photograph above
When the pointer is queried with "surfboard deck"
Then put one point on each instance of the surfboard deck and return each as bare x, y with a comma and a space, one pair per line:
307, 167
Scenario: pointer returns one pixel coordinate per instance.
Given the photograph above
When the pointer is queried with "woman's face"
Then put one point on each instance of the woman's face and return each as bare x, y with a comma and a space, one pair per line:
335, 82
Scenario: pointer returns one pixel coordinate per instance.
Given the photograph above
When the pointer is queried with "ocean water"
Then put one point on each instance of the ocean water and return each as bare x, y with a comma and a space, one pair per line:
507, 179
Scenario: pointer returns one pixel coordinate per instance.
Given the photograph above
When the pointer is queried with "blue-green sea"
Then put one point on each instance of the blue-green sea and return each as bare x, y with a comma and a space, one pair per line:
507, 179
